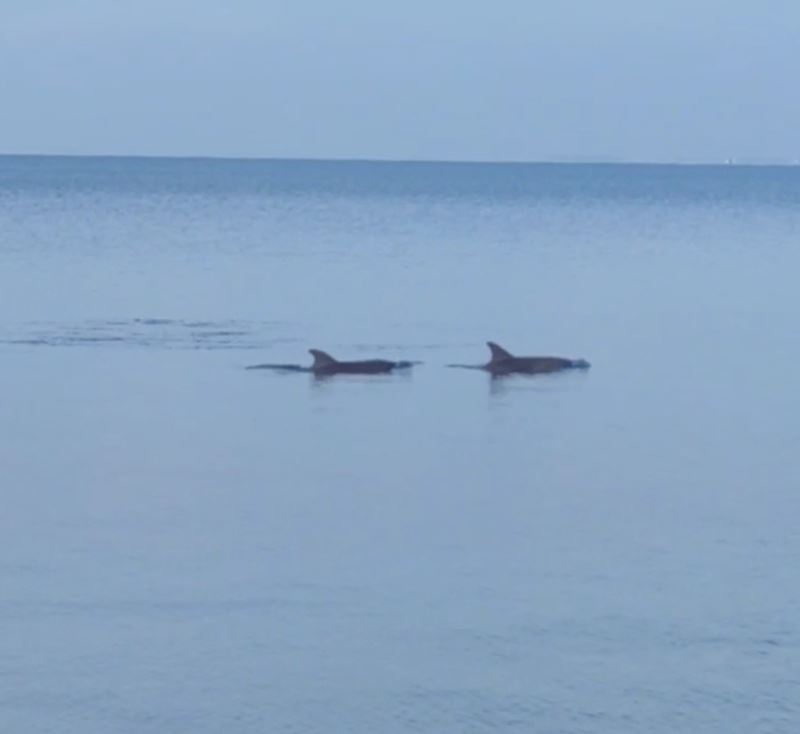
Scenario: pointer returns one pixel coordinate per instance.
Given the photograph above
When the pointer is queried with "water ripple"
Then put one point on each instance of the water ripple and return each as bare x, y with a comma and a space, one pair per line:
161, 333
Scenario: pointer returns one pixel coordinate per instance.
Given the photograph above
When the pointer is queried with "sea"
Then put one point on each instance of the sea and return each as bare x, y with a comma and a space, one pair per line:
191, 546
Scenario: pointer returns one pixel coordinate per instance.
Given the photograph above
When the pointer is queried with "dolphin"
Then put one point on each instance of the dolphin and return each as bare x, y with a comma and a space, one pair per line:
503, 362
324, 365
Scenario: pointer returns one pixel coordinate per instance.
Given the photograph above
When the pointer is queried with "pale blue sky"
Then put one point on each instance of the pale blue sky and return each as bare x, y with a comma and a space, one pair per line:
660, 80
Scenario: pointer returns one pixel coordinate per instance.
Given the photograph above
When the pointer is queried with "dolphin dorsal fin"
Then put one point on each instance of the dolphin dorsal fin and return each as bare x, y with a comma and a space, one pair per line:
498, 353
321, 359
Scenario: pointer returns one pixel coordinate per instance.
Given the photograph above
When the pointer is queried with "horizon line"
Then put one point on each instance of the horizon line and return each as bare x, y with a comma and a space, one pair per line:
565, 160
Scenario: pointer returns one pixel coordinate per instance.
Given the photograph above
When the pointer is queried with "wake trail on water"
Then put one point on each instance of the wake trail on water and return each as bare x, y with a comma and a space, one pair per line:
279, 367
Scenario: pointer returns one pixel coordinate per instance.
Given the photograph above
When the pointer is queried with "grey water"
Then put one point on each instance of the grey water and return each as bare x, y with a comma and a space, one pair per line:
189, 546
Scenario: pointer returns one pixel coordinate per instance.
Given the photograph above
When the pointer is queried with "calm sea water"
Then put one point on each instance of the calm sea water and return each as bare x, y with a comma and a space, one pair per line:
192, 547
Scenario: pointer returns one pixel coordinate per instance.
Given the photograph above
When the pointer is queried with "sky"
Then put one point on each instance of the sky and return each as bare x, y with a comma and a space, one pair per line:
508, 80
